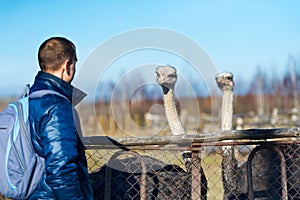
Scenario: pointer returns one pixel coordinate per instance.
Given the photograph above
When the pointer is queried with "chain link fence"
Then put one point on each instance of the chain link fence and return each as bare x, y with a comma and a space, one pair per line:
248, 164
253, 164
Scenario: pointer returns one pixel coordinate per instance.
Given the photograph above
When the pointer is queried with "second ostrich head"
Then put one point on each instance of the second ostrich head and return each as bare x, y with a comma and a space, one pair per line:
224, 81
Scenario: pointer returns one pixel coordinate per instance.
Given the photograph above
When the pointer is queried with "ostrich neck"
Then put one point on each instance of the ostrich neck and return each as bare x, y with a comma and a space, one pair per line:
227, 110
231, 173
171, 113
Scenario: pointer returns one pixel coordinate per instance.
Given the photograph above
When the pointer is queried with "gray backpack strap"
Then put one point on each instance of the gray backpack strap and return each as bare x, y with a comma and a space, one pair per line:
40, 93
26, 91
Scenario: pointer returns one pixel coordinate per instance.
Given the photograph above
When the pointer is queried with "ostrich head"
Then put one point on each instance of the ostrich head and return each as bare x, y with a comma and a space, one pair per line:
225, 81
166, 77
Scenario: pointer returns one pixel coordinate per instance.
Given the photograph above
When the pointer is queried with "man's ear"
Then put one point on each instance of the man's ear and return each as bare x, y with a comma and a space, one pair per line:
67, 66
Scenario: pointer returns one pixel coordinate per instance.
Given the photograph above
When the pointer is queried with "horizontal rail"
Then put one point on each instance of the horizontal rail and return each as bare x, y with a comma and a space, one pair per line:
220, 138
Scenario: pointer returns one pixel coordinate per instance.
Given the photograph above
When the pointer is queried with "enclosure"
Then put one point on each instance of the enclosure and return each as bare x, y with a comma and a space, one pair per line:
189, 166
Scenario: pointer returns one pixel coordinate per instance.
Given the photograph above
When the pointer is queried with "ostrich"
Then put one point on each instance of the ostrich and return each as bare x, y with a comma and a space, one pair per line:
166, 77
234, 176
231, 173
265, 162
123, 174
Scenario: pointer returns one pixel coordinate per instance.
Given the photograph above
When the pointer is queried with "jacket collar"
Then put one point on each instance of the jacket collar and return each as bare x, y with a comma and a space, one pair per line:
52, 82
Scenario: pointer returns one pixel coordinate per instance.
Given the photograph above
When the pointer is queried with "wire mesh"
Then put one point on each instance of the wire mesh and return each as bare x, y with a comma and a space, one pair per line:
175, 174
239, 170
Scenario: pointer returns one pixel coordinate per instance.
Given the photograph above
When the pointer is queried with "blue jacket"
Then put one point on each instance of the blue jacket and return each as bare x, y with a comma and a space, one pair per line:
56, 135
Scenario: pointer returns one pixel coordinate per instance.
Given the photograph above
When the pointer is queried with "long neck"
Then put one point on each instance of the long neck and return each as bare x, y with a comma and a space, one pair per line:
227, 110
231, 173
171, 113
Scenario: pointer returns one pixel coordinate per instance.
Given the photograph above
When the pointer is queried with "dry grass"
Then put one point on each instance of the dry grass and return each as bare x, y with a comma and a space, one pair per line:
211, 165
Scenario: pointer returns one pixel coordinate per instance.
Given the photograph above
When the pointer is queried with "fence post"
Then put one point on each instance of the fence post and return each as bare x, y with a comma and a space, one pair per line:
196, 176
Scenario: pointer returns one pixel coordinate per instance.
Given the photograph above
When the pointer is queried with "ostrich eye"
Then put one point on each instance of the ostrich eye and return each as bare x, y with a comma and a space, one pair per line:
157, 74
229, 78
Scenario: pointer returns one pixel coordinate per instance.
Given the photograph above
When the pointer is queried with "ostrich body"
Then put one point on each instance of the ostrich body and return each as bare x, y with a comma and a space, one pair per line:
167, 77
231, 173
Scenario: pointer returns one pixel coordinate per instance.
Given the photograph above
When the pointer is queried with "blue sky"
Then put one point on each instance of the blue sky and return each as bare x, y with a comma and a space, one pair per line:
238, 36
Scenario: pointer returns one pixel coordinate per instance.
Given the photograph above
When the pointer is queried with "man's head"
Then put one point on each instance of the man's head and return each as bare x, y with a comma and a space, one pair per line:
57, 55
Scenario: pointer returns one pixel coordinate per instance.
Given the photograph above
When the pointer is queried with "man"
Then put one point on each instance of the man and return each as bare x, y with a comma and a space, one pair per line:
55, 124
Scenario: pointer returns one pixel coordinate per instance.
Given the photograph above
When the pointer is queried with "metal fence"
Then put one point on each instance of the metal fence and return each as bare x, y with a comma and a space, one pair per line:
246, 164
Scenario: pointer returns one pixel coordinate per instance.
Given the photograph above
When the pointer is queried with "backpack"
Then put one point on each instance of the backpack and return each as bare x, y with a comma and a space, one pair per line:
21, 168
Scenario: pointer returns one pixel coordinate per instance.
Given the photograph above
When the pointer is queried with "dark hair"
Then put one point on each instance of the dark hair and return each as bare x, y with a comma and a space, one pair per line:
54, 51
